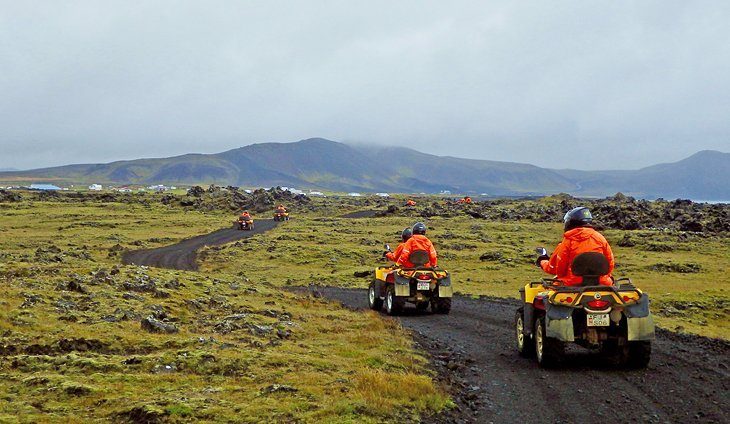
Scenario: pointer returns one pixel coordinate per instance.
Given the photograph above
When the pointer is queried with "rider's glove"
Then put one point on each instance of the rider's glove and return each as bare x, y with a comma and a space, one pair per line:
385, 254
540, 259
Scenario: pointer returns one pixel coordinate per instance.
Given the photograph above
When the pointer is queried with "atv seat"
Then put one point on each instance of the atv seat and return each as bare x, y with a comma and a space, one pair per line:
418, 258
591, 266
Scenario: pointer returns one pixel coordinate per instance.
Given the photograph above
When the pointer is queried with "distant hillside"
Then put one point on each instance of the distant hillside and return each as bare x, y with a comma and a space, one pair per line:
324, 164
704, 176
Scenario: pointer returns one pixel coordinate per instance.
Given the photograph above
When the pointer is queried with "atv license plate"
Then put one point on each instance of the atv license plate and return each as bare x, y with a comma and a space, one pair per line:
597, 320
423, 285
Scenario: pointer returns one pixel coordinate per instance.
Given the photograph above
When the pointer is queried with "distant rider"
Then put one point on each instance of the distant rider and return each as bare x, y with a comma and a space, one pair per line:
280, 209
245, 216
418, 241
405, 235
579, 237
411, 203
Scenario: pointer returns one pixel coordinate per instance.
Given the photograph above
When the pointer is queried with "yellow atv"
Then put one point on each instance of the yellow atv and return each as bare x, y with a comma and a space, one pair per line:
422, 286
281, 216
244, 224
614, 319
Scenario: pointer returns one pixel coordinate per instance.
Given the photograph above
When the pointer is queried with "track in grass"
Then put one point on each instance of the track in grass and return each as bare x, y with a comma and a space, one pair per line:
473, 349
182, 255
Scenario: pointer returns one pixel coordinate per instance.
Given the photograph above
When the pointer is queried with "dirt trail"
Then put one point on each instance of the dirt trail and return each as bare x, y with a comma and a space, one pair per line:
182, 255
473, 350
688, 379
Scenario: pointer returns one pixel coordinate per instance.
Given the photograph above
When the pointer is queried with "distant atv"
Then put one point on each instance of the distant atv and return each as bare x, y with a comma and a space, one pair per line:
422, 286
281, 216
614, 319
245, 224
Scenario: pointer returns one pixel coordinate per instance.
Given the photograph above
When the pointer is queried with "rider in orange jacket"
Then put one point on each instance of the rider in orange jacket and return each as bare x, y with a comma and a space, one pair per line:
579, 237
405, 235
419, 241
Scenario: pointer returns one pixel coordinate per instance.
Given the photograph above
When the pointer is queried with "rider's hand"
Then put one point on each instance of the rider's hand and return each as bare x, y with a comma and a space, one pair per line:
385, 254
540, 259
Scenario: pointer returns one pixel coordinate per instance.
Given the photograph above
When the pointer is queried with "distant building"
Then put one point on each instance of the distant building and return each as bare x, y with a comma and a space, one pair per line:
354, 194
317, 193
95, 187
159, 188
46, 187
382, 194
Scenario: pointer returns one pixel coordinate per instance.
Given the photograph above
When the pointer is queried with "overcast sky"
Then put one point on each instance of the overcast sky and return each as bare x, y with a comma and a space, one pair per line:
583, 84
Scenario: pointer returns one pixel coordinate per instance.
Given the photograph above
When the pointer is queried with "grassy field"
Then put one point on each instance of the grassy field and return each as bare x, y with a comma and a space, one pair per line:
232, 346
684, 273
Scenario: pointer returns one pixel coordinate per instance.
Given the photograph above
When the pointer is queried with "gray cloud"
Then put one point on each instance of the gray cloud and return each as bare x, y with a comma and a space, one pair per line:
582, 84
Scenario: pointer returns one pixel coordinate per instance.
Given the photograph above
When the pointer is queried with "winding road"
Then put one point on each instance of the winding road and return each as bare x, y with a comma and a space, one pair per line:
472, 350
182, 255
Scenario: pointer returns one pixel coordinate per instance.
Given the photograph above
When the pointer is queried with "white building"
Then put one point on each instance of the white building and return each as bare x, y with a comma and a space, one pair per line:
95, 187
354, 194
382, 194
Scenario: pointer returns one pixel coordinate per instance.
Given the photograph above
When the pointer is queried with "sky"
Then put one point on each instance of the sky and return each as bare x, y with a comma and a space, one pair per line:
559, 84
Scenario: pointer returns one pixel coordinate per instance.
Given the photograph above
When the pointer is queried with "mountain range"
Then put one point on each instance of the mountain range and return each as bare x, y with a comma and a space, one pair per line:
323, 164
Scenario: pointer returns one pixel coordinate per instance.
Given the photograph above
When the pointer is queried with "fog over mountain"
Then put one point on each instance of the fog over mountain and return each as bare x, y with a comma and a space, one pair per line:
574, 84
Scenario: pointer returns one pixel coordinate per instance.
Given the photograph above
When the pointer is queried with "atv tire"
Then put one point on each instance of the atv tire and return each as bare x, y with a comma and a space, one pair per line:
374, 301
525, 343
441, 305
639, 354
393, 304
614, 352
548, 350
422, 306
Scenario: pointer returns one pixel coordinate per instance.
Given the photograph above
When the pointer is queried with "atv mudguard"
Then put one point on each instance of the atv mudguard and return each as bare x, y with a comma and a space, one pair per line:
639, 320
402, 286
559, 322
445, 289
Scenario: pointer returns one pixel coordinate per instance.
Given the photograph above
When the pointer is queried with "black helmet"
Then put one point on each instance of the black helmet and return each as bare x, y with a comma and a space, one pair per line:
406, 234
419, 228
577, 217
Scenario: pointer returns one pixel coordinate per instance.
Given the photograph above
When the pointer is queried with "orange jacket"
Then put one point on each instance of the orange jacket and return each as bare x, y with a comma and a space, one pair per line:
417, 242
393, 256
245, 216
577, 241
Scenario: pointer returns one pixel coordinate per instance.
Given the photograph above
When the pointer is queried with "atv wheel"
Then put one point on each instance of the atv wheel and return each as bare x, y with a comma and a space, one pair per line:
614, 353
547, 349
422, 306
393, 305
525, 343
441, 305
374, 300
639, 354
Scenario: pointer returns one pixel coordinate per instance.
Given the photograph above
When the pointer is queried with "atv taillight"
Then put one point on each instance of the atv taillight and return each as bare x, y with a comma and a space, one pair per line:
424, 277
598, 304
626, 298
